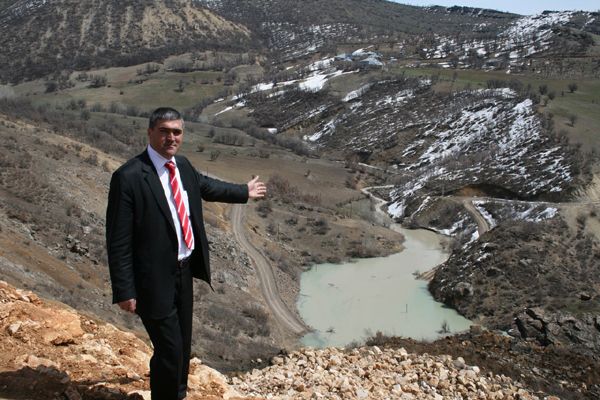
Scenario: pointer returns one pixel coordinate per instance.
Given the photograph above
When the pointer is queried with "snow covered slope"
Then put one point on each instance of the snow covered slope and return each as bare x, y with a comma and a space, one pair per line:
523, 38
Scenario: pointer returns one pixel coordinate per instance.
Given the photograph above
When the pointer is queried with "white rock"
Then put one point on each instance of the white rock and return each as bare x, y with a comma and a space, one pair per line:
14, 328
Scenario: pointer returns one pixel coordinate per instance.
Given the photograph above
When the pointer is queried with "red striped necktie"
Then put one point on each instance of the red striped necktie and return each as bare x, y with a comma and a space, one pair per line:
188, 236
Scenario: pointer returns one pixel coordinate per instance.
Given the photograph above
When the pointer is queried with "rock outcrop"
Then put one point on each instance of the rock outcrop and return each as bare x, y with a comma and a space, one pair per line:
559, 328
49, 351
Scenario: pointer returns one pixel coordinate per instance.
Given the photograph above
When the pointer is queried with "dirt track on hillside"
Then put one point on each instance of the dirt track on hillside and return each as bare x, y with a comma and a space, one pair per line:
482, 225
266, 277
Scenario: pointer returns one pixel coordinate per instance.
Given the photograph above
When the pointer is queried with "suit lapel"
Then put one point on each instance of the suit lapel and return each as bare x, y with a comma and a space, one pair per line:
151, 178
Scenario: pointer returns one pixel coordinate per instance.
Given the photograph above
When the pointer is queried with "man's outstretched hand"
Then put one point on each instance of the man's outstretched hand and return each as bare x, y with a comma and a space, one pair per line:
256, 189
128, 305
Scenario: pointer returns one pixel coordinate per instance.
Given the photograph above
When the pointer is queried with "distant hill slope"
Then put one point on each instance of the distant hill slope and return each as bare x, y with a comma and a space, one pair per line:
42, 37
6, 3
381, 15
296, 28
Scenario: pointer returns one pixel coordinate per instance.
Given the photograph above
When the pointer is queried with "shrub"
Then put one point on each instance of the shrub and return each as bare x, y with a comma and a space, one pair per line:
264, 208
572, 119
230, 139
320, 226
214, 155
264, 154
97, 81
280, 188
51, 86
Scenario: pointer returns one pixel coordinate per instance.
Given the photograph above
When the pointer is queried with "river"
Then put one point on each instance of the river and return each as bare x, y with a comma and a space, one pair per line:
347, 303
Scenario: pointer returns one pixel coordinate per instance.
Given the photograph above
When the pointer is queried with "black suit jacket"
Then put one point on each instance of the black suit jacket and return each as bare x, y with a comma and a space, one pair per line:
140, 233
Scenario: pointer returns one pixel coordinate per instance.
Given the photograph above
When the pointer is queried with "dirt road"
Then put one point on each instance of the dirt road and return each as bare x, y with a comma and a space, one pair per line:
482, 224
266, 278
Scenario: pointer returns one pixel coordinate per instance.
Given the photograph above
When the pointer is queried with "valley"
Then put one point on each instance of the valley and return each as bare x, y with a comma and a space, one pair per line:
483, 130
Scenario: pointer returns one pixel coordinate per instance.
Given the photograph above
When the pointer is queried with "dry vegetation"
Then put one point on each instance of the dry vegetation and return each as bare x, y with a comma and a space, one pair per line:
108, 34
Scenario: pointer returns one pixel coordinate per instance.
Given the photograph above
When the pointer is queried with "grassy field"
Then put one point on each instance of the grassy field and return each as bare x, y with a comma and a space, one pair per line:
312, 176
146, 92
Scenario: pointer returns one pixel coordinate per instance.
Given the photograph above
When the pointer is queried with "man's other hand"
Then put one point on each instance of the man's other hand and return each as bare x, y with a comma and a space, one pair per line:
128, 305
256, 189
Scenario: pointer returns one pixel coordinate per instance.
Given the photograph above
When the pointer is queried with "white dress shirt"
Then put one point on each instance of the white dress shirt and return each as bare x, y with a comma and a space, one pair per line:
163, 174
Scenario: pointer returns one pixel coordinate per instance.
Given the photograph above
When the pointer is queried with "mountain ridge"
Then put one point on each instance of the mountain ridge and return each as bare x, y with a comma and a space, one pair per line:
58, 37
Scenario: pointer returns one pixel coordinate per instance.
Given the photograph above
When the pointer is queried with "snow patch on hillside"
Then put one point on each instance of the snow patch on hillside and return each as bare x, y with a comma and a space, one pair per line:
505, 210
355, 94
484, 213
296, 41
538, 24
496, 140
327, 129
523, 38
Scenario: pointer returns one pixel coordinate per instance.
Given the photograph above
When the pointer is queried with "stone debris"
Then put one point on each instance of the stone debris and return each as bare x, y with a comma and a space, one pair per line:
375, 373
48, 350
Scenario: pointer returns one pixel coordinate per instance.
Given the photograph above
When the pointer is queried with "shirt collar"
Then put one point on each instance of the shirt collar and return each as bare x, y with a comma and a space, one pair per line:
158, 160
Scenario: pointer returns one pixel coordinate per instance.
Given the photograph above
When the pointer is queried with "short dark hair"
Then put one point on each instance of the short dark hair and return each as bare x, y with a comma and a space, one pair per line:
163, 113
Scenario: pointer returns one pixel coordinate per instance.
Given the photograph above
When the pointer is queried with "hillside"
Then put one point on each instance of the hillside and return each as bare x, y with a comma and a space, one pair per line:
54, 186
425, 142
56, 36
491, 279
476, 124
292, 29
50, 350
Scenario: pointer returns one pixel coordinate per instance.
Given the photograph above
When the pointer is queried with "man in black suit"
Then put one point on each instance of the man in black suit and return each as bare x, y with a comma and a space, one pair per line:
156, 243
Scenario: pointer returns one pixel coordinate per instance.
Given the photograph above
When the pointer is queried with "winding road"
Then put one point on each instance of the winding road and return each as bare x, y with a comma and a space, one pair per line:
266, 277
482, 225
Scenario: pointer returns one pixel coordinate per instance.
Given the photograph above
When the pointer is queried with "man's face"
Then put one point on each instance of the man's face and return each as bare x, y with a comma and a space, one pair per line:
166, 137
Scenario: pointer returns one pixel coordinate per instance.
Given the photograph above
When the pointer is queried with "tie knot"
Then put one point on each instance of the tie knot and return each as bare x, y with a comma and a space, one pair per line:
170, 166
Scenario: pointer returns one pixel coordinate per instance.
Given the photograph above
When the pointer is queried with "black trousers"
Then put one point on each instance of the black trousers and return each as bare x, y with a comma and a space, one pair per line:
172, 340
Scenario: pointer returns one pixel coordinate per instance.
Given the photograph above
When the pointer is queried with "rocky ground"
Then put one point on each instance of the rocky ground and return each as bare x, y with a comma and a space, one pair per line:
550, 369
50, 351
545, 274
376, 373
